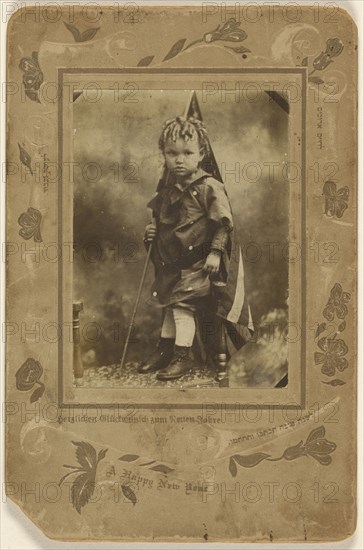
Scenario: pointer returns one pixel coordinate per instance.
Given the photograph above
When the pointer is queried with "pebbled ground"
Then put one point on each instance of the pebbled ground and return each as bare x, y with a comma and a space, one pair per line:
110, 377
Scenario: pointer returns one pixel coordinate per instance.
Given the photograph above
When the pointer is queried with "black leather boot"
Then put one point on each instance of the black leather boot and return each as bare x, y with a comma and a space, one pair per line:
181, 364
160, 358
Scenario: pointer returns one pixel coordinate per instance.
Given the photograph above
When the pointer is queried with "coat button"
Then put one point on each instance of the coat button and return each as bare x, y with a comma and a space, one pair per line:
194, 193
190, 247
190, 288
155, 293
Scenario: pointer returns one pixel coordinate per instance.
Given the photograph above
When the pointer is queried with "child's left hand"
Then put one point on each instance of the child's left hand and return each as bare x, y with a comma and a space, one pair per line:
212, 263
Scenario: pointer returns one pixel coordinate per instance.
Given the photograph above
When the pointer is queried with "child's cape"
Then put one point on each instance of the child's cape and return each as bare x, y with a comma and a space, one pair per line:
230, 301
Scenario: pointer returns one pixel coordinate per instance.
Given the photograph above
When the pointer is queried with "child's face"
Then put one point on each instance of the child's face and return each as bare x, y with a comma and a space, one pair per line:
182, 157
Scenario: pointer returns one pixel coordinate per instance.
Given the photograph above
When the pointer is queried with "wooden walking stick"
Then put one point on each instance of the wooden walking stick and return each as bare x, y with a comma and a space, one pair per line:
130, 328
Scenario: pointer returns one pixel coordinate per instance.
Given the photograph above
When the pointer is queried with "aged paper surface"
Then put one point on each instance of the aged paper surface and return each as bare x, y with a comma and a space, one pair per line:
245, 428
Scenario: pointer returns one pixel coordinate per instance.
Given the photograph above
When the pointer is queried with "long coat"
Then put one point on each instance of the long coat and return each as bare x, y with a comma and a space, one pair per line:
192, 219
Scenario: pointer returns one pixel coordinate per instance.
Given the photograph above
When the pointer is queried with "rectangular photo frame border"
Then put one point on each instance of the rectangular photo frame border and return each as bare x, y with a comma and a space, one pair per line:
76, 400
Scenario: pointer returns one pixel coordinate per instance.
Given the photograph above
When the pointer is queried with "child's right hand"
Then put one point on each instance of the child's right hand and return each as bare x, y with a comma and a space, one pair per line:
150, 232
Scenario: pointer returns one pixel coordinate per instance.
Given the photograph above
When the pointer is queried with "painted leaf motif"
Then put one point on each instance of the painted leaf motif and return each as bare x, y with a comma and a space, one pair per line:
320, 328
33, 95
304, 62
342, 326
74, 31
85, 454
315, 80
129, 458
68, 474
82, 490
129, 494
101, 454
162, 468
25, 158
88, 34
317, 433
37, 393
176, 48
336, 382
232, 467
325, 460
250, 460
239, 49
145, 61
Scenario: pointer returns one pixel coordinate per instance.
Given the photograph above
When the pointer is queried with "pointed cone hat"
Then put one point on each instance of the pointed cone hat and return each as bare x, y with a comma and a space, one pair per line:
209, 163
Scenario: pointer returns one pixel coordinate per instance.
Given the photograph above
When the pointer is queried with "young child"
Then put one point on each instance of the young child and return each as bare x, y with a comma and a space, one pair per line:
192, 223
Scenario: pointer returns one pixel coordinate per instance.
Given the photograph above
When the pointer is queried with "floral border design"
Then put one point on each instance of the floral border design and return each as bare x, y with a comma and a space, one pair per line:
227, 32
32, 77
25, 158
336, 200
334, 48
161, 468
30, 225
84, 36
316, 446
332, 350
27, 376
83, 485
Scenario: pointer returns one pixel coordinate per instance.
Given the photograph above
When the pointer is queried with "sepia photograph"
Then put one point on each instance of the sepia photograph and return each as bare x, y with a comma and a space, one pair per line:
181, 239
181, 321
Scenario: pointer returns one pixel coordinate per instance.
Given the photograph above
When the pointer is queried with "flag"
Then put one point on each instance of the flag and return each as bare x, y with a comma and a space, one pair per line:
233, 304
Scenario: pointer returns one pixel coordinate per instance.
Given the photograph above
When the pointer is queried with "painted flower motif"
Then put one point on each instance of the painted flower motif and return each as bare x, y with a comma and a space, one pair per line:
336, 200
334, 47
30, 225
28, 374
32, 77
337, 303
229, 32
316, 446
332, 356
29, 64
33, 81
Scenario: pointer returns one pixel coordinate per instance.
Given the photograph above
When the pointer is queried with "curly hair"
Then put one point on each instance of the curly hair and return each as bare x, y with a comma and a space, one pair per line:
186, 129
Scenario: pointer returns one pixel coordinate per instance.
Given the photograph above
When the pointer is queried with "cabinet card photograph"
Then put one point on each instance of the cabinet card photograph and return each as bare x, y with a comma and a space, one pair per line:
181, 272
